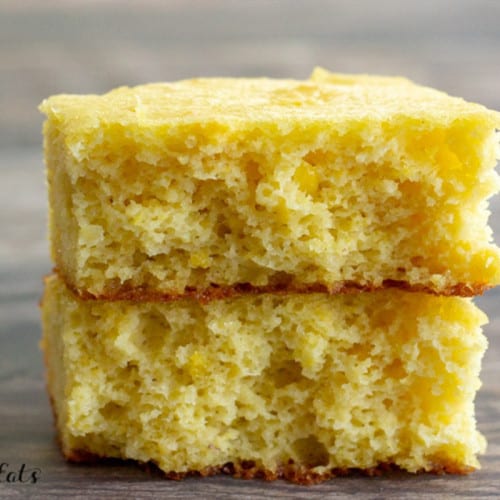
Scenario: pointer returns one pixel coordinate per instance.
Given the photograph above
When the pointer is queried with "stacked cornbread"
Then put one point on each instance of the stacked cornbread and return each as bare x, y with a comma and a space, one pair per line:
269, 277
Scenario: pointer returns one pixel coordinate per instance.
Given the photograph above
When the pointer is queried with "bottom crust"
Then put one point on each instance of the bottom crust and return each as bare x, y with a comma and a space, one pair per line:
294, 473
221, 292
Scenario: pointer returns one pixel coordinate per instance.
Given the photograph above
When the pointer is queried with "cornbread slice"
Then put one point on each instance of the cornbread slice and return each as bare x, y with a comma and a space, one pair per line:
280, 385
327, 184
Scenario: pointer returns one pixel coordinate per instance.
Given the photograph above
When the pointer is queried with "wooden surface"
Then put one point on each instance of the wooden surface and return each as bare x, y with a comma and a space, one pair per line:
49, 47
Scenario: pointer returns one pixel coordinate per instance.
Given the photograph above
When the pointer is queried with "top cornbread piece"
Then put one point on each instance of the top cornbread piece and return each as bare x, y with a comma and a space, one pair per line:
213, 186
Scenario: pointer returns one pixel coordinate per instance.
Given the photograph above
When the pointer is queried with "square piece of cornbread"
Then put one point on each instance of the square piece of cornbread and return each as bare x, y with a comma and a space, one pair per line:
328, 184
269, 385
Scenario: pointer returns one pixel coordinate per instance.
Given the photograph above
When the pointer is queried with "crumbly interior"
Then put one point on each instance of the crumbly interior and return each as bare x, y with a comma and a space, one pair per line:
326, 381
271, 183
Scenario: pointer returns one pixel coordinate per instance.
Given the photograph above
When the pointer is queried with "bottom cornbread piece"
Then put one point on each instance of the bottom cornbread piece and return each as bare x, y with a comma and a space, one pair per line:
294, 386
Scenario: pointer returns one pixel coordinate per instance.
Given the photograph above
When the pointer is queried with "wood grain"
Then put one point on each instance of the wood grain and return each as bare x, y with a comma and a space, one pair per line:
91, 47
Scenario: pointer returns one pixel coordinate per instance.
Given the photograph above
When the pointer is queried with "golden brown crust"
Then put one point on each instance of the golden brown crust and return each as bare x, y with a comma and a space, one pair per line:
217, 292
294, 473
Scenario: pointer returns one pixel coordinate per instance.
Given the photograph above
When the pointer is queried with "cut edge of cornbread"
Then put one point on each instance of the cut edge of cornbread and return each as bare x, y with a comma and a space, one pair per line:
248, 469
450, 367
149, 197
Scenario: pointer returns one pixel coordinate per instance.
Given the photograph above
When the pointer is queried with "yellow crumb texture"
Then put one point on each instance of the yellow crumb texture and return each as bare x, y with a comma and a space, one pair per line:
336, 178
326, 381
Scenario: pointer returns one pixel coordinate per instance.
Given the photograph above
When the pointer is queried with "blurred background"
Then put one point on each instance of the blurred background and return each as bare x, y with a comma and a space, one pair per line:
78, 46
